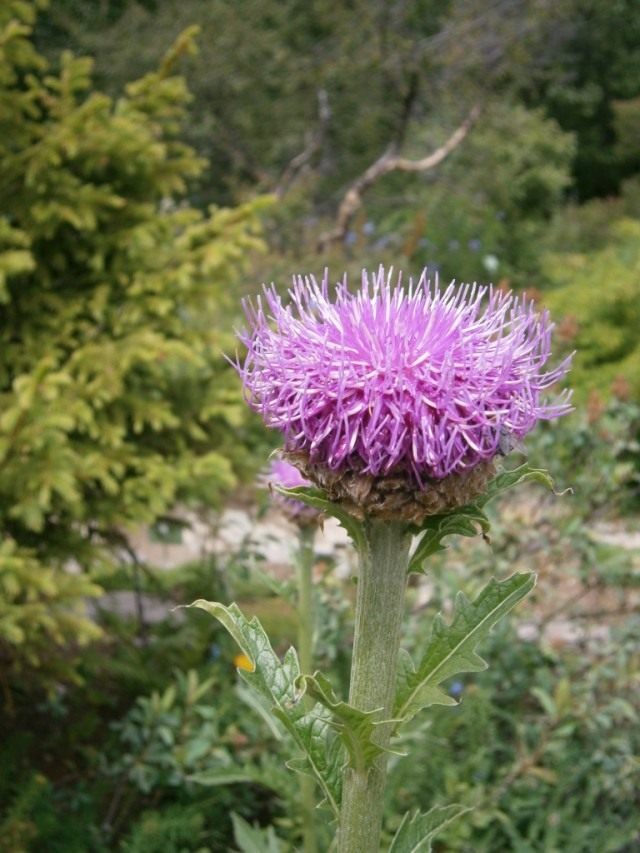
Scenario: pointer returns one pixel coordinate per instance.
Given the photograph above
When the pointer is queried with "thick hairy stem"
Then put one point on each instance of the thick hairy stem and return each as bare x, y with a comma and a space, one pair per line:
379, 611
305, 559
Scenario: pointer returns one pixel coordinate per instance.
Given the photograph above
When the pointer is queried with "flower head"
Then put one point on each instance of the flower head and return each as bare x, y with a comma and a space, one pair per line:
283, 473
398, 380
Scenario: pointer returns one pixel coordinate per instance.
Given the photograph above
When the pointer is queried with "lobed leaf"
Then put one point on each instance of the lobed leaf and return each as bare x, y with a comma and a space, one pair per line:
416, 831
277, 682
356, 728
469, 520
522, 474
463, 521
452, 648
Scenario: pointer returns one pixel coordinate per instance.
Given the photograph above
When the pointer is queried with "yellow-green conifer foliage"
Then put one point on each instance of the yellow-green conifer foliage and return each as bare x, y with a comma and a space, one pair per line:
115, 402
597, 295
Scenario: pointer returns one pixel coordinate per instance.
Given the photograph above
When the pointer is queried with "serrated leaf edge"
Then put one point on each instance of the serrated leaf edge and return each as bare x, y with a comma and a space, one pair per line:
319, 688
409, 817
529, 581
222, 613
473, 513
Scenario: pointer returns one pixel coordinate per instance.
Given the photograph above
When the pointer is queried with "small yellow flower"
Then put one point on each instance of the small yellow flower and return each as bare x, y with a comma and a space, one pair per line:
243, 662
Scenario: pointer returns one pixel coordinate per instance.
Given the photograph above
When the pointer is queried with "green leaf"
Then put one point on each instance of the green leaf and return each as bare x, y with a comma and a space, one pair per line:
228, 776
463, 521
452, 648
416, 831
276, 681
251, 839
257, 704
508, 479
430, 694
316, 498
356, 728
469, 520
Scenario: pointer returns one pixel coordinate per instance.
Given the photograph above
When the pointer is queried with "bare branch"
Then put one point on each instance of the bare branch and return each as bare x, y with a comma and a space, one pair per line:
390, 162
313, 144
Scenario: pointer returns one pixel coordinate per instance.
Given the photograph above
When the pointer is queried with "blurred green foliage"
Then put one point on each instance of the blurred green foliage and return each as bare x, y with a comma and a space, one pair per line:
111, 762
484, 214
543, 745
585, 84
114, 400
256, 87
253, 121
596, 292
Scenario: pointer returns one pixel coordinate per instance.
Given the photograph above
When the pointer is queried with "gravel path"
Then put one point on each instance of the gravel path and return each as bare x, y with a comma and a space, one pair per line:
270, 540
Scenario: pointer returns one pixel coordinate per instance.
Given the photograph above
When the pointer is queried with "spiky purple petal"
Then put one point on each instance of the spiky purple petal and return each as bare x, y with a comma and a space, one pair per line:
394, 377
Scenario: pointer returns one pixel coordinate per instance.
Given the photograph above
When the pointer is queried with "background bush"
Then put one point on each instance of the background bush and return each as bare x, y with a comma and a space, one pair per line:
115, 401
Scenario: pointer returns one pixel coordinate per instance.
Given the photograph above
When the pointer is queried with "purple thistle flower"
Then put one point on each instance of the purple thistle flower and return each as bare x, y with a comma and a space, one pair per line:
394, 378
283, 473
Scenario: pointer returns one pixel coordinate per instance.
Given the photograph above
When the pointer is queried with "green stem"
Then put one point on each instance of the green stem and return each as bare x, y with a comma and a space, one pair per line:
305, 560
379, 610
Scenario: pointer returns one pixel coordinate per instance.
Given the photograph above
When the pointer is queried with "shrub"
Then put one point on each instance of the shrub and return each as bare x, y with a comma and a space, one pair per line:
114, 400
597, 294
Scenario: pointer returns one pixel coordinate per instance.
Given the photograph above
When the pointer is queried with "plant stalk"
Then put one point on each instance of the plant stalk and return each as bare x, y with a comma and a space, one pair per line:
379, 611
305, 560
